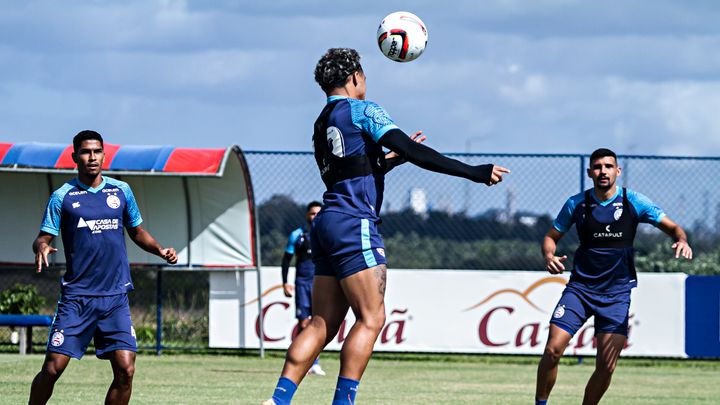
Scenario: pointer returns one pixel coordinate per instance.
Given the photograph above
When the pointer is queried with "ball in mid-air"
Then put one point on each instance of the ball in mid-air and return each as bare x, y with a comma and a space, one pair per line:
402, 36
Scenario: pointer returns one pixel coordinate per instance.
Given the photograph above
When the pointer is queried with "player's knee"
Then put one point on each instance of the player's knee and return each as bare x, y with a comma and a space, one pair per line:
605, 368
553, 354
52, 371
374, 320
125, 373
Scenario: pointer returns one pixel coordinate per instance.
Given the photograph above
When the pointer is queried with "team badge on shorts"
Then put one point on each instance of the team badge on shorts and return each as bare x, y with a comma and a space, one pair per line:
132, 332
559, 311
381, 251
57, 338
113, 201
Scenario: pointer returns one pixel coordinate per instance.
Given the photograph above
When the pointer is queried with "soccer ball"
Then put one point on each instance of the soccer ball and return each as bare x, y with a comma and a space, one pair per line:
402, 36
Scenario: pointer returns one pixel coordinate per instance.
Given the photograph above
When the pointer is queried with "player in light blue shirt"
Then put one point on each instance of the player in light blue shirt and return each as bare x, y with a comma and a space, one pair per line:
606, 218
347, 249
91, 213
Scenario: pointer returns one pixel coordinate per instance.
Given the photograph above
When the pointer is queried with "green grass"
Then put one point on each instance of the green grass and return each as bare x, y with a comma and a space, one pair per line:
390, 379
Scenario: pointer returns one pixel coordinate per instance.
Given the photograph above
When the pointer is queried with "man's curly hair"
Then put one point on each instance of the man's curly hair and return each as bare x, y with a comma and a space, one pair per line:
335, 66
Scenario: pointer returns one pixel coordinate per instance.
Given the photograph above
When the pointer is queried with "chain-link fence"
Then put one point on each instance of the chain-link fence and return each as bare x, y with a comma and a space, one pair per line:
429, 221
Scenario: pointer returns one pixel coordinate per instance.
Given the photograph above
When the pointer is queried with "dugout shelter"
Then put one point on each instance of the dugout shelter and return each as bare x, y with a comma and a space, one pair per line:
199, 201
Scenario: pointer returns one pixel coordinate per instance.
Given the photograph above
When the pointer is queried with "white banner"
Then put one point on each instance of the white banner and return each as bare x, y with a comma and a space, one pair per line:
471, 312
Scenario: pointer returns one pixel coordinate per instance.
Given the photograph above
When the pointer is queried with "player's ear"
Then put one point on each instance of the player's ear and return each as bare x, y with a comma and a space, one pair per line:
354, 79
74, 157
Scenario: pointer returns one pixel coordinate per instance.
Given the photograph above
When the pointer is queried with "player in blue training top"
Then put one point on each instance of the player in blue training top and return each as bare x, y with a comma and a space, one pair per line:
350, 272
91, 212
299, 246
606, 218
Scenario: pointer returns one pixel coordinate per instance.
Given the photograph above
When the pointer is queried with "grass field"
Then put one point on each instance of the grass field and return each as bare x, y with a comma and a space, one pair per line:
390, 379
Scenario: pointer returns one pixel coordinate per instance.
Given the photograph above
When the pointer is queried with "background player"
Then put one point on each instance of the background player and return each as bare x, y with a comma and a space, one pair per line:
606, 218
90, 211
348, 252
299, 246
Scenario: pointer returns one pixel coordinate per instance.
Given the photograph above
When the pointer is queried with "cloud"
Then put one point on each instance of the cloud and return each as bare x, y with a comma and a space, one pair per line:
526, 76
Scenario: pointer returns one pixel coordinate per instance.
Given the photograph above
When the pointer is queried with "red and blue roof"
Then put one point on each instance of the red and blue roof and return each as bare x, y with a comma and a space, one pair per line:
162, 159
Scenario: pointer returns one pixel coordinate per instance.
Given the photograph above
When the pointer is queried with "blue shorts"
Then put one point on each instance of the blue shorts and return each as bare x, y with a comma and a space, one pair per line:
303, 298
343, 245
79, 319
576, 306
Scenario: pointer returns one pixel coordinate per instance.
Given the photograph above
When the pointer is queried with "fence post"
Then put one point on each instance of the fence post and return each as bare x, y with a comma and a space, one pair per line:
582, 174
158, 316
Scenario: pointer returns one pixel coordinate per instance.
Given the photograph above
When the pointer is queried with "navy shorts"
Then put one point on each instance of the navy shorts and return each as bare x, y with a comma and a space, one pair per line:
576, 306
79, 319
303, 298
343, 245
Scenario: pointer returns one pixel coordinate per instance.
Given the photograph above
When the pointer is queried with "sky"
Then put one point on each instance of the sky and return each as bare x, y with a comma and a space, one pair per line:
510, 76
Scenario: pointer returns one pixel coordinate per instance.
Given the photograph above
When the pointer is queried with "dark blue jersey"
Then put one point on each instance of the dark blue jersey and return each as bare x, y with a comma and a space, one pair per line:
606, 270
91, 222
299, 246
354, 128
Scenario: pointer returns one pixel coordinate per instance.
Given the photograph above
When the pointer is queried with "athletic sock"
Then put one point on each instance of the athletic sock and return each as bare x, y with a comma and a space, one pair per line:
345, 391
284, 391
541, 402
317, 361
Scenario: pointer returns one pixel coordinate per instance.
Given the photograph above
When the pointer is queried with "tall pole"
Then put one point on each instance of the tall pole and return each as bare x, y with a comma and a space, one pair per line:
466, 184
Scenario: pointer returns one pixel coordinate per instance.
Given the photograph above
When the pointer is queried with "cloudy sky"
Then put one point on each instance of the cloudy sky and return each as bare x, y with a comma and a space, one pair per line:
565, 76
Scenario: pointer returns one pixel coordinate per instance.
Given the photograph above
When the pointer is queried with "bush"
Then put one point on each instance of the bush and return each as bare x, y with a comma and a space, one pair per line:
21, 299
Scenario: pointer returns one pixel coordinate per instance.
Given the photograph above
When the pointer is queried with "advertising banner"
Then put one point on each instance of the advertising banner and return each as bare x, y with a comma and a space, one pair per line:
466, 311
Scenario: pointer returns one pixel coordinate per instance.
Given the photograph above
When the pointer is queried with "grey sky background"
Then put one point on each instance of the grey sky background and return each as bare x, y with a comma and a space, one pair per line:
564, 76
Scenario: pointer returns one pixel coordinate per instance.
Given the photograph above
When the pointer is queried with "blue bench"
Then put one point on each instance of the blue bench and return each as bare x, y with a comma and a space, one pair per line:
25, 323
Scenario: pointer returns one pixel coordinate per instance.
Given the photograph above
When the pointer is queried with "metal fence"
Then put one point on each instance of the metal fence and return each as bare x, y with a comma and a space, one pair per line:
429, 221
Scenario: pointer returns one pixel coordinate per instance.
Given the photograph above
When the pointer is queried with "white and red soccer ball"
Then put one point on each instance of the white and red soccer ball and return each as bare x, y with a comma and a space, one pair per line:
402, 36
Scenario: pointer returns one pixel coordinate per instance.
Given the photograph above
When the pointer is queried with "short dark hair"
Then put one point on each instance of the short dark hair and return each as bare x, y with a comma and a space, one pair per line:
601, 153
84, 136
333, 69
313, 205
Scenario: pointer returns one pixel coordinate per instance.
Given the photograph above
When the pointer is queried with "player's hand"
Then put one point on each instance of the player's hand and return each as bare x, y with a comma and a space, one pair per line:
497, 175
417, 137
682, 249
169, 255
553, 264
41, 257
288, 290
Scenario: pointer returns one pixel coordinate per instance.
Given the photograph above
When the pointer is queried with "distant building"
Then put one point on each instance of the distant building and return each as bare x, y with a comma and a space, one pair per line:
418, 201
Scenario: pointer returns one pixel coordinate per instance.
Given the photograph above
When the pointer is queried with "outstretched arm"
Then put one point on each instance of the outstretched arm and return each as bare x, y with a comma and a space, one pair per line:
429, 159
675, 231
393, 160
146, 242
41, 247
553, 264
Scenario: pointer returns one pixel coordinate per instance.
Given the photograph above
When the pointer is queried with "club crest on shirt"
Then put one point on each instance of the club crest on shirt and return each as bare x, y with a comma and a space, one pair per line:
617, 214
57, 339
559, 311
113, 201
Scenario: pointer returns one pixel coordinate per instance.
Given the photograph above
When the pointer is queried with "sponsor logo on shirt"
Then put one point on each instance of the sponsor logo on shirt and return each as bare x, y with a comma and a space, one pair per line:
99, 225
81, 192
76, 204
608, 233
110, 190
